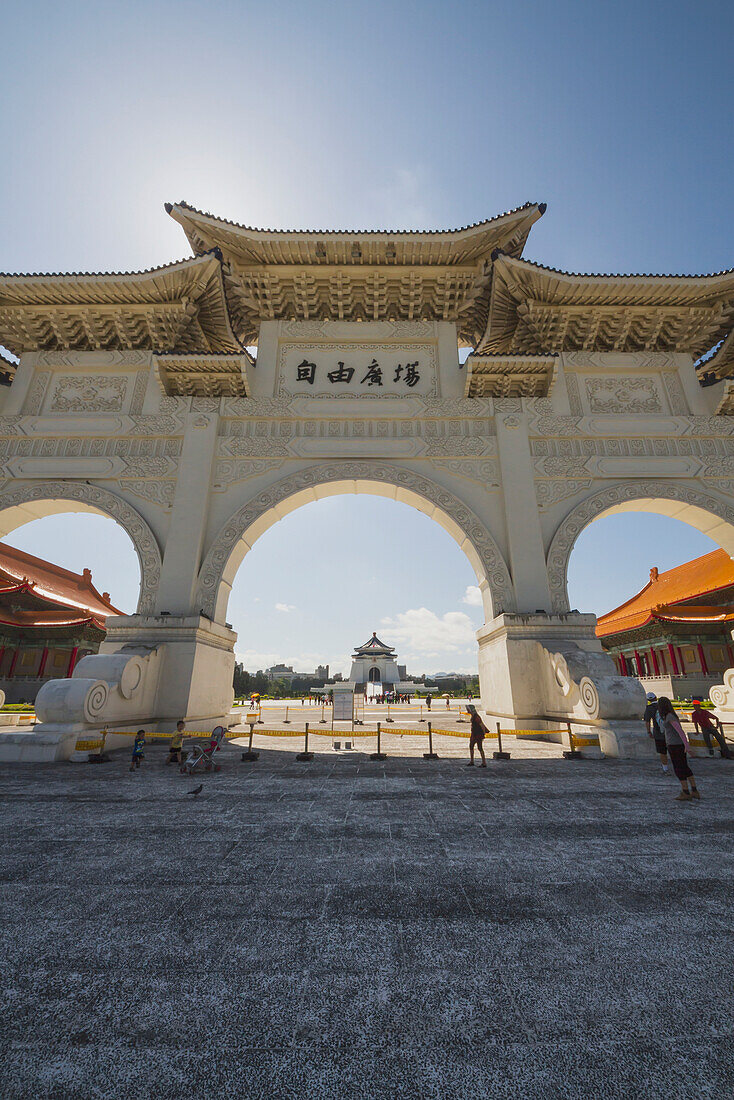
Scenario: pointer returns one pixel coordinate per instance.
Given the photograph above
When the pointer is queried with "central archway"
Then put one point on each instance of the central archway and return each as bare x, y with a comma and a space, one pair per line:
238, 535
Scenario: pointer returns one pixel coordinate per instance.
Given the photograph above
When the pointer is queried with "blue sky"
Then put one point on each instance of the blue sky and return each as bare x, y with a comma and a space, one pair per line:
369, 115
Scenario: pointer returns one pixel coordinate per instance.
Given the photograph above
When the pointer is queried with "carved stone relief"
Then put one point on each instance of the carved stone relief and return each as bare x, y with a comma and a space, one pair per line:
34, 400
484, 472
574, 398
229, 471
280, 437
551, 492
86, 393
161, 491
623, 395
676, 396
141, 384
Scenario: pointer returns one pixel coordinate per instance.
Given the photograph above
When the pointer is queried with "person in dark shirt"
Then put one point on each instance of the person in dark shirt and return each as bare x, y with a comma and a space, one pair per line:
678, 749
476, 737
708, 724
655, 729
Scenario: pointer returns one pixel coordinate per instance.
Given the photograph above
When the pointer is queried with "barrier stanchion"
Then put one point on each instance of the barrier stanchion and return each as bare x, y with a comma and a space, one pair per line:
430, 755
421, 719
571, 753
461, 712
322, 720
500, 755
388, 719
249, 754
379, 755
260, 714
286, 720
305, 755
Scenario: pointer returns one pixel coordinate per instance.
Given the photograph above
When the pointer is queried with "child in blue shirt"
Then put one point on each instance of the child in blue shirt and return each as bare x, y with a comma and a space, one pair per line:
138, 749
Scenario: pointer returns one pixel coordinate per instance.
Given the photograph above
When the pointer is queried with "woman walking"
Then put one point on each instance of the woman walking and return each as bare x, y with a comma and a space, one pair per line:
678, 746
476, 738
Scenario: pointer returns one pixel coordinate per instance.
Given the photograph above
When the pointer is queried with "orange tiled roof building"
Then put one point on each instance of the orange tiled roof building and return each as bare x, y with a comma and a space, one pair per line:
49, 619
675, 635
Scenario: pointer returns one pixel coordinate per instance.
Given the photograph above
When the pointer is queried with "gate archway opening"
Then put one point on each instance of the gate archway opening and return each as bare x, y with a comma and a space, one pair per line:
342, 567
65, 577
27, 504
237, 537
661, 620
698, 509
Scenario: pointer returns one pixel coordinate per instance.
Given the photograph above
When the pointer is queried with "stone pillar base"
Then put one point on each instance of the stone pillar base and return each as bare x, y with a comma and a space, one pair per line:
537, 671
196, 665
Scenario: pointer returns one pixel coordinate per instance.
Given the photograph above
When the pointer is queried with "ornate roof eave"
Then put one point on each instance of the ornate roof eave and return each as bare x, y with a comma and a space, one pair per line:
537, 309
181, 306
359, 247
509, 375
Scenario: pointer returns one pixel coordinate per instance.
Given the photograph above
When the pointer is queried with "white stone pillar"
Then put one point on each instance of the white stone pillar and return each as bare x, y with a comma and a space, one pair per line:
524, 534
182, 555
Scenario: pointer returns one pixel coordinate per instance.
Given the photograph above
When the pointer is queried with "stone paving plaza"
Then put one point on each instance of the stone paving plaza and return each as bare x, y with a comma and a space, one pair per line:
350, 928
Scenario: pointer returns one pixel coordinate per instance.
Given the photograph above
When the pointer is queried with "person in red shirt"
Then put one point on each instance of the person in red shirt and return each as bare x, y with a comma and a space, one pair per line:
708, 724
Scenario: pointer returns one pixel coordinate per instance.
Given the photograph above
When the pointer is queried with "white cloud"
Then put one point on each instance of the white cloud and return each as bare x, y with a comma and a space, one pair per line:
472, 596
420, 633
285, 607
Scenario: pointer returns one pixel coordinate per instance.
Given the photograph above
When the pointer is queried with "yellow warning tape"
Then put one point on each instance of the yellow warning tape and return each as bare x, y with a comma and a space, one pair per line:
533, 733
88, 746
276, 733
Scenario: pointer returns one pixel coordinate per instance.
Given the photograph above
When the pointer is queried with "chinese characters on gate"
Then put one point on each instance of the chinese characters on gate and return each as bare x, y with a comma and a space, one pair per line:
407, 374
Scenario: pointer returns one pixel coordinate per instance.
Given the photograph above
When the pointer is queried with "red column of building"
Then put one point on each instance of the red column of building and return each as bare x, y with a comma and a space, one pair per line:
44, 659
728, 650
13, 662
681, 661
655, 666
673, 658
702, 659
72, 660
638, 662
662, 661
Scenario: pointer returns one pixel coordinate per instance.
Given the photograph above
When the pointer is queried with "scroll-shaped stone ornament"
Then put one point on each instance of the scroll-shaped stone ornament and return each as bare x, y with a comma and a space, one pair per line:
722, 695
76, 699
104, 688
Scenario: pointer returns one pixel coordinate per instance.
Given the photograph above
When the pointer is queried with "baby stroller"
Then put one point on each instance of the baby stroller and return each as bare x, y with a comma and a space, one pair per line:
201, 757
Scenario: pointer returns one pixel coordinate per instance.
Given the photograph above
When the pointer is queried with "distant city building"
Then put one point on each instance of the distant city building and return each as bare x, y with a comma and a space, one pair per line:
285, 672
675, 634
49, 619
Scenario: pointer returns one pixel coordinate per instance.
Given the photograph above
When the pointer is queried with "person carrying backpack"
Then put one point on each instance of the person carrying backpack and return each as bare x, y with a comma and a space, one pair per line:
655, 729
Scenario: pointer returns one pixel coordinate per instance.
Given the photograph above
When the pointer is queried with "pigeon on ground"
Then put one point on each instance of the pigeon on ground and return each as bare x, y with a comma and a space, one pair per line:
197, 790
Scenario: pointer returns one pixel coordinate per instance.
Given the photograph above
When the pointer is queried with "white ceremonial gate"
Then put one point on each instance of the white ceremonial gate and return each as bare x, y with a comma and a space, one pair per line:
136, 397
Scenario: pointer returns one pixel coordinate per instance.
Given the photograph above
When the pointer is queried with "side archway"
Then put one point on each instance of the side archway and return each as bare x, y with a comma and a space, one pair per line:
25, 503
696, 507
238, 535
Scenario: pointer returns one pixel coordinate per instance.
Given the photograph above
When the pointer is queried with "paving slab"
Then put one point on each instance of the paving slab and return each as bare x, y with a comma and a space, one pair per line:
349, 927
